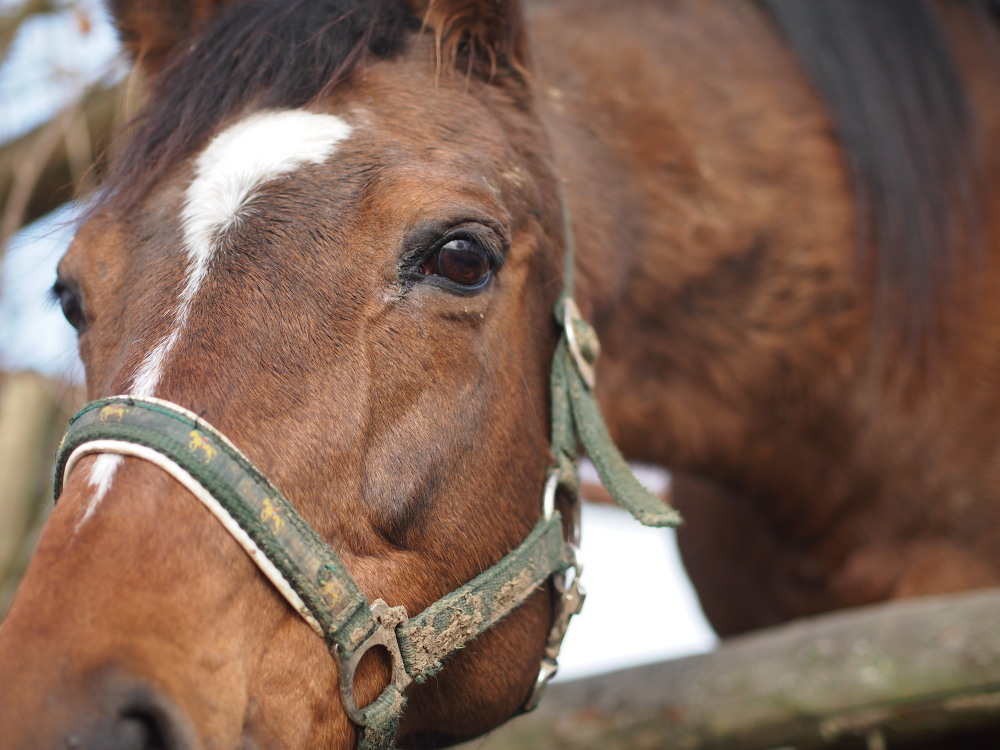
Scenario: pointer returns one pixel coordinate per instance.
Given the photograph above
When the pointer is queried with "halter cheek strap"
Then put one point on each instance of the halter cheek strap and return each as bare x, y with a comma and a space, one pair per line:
576, 415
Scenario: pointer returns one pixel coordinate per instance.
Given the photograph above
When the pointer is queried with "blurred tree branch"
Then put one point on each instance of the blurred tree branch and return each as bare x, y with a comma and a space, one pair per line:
43, 169
11, 23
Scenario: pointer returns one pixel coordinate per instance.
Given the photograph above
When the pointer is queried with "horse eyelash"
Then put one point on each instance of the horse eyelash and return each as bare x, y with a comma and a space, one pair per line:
53, 297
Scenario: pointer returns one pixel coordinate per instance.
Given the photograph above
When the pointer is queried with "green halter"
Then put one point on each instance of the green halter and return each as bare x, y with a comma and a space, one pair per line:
311, 577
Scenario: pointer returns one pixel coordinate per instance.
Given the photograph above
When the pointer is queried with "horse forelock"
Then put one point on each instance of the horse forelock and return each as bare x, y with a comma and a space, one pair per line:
257, 55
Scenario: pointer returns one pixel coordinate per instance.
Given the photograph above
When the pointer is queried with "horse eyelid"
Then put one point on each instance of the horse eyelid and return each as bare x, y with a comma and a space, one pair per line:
54, 294
455, 288
427, 238
73, 312
423, 242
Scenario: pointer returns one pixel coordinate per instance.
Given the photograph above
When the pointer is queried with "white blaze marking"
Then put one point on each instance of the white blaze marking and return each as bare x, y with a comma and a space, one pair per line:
101, 474
227, 177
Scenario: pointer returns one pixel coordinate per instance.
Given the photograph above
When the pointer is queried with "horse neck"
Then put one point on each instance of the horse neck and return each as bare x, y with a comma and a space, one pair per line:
675, 191
717, 248
736, 339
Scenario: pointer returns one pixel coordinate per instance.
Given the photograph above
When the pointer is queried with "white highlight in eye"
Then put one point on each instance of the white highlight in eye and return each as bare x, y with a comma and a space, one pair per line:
227, 177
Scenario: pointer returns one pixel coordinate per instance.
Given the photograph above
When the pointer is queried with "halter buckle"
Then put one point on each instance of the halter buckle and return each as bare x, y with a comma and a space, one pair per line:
582, 341
387, 619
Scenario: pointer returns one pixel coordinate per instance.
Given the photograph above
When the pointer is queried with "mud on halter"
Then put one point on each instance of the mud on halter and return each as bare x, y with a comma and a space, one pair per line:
311, 577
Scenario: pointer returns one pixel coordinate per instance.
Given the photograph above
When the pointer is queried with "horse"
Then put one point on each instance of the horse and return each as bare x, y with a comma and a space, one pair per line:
329, 248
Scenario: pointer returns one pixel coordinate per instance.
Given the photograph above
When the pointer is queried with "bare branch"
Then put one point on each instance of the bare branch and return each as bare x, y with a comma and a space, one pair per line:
10, 24
43, 169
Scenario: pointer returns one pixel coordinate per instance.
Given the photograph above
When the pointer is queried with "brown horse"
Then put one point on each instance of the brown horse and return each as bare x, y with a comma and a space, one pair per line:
336, 233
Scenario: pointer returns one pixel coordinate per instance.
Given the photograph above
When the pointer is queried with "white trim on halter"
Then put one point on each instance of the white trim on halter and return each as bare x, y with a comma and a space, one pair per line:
192, 485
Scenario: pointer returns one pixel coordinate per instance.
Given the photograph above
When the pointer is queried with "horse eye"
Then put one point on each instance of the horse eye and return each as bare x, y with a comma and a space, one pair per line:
463, 261
69, 300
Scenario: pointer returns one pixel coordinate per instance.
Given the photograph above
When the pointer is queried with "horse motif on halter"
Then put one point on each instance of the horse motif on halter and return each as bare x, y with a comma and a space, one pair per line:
113, 412
200, 443
328, 581
270, 514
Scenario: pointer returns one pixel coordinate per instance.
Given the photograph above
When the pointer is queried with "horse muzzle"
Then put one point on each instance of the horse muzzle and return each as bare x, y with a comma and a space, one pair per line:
106, 713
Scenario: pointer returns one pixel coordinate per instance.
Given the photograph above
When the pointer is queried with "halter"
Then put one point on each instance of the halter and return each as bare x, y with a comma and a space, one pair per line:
312, 578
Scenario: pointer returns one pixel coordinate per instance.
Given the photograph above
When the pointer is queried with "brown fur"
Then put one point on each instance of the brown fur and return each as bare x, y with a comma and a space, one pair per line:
815, 468
716, 236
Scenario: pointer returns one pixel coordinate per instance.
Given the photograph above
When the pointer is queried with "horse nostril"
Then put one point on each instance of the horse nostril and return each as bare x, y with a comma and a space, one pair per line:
130, 731
142, 730
136, 719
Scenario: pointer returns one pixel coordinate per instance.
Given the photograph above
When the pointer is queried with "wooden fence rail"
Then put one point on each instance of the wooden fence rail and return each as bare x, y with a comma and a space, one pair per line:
916, 674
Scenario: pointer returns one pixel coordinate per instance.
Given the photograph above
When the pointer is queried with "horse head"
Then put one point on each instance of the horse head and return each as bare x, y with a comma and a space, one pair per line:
335, 235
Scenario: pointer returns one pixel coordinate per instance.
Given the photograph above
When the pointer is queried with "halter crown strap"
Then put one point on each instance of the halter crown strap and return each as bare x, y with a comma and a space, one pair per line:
306, 571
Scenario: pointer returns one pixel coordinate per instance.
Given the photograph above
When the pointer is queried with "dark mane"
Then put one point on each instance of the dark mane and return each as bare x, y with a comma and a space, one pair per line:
264, 53
901, 113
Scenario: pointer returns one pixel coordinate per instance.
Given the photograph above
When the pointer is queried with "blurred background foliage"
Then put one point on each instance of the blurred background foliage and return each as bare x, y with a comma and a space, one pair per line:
64, 93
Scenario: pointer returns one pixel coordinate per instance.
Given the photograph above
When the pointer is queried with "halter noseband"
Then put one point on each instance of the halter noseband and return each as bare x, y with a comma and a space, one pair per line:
312, 578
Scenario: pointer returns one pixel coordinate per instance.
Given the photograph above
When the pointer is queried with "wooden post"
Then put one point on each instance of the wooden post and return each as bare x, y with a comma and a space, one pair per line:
24, 413
33, 413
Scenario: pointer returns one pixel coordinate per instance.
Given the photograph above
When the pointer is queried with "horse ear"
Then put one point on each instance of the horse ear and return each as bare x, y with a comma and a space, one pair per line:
152, 29
479, 36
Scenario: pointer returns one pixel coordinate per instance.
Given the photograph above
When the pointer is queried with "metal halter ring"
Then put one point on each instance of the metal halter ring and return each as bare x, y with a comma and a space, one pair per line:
389, 618
569, 603
581, 340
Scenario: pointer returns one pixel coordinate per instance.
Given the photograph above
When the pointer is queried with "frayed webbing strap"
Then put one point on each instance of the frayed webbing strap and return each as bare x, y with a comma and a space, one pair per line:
576, 415
382, 721
454, 620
